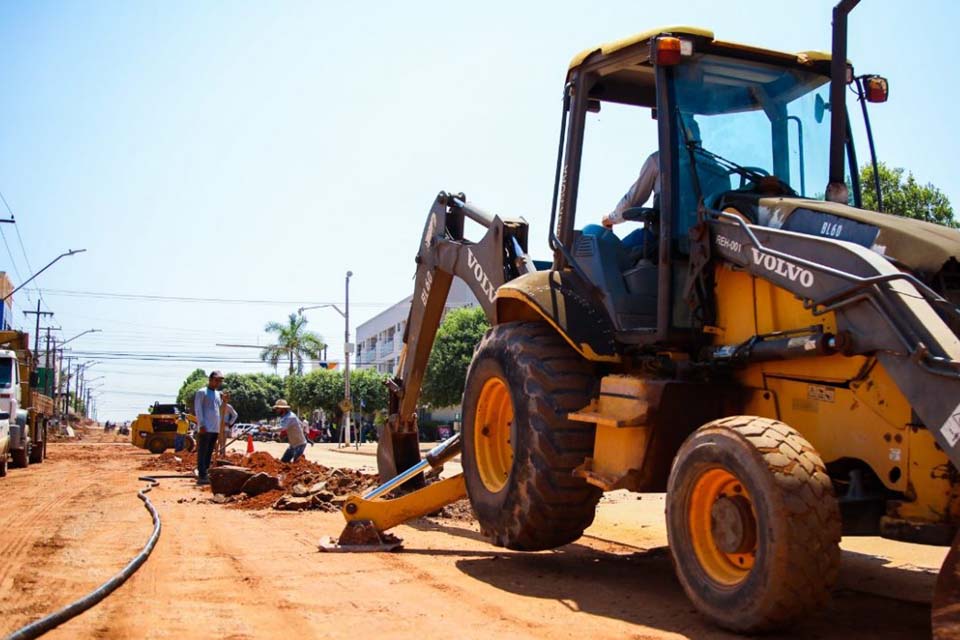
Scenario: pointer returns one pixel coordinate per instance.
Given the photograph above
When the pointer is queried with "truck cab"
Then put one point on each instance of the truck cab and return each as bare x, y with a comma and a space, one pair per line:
10, 394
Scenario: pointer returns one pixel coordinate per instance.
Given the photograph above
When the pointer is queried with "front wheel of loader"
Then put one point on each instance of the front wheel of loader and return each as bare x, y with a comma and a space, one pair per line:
519, 448
156, 444
753, 523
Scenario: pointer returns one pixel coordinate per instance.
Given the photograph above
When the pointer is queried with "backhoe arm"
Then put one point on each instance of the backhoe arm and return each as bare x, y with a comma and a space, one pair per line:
444, 253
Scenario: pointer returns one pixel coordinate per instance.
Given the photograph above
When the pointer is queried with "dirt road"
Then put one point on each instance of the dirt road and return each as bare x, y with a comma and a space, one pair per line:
218, 572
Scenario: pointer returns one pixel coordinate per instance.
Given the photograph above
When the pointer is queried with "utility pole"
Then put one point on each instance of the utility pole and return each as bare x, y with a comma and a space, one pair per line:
66, 394
346, 360
49, 364
36, 336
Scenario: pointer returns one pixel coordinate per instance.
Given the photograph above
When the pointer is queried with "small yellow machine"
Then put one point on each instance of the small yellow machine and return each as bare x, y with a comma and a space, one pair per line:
157, 431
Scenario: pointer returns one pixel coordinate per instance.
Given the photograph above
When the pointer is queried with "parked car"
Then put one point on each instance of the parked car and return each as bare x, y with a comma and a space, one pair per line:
241, 429
312, 433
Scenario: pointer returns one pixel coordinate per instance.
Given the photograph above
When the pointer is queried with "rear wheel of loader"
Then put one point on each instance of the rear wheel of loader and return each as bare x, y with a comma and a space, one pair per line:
753, 524
156, 444
519, 448
3, 464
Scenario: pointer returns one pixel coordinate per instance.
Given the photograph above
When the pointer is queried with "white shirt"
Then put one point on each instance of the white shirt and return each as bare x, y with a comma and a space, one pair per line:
291, 423
646, 184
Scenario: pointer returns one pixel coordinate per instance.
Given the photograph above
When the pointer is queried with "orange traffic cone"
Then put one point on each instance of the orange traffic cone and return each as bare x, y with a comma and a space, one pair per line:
249, 444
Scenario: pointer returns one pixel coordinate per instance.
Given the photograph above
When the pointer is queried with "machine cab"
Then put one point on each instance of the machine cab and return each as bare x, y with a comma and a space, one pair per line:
727, 127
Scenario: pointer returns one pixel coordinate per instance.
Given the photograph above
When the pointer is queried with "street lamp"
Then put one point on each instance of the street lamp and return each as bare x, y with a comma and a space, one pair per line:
71, 252
346, 353
62, 344
82, 333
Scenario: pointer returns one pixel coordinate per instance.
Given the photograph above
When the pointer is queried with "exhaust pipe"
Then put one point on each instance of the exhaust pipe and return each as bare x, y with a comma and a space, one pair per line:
837, 188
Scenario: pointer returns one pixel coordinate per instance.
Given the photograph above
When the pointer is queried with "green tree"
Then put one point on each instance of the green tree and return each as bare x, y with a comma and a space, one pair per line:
294, 343
457, 336
324, 389
904, 196
189, 387
252, 394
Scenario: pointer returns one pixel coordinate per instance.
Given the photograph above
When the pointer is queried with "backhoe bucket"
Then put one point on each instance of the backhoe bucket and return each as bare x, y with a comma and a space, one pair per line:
370, 516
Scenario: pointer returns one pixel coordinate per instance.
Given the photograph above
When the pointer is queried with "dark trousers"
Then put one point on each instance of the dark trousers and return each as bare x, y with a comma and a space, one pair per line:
206, 443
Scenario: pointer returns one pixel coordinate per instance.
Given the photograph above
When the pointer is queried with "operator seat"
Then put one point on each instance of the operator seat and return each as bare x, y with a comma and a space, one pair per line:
630, 287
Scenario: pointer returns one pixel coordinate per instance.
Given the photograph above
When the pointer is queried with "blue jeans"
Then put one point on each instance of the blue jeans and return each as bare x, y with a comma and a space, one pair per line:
293, 452
206, 443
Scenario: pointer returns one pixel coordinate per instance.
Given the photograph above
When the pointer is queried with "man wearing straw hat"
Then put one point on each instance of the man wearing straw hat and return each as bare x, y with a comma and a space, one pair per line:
297, 442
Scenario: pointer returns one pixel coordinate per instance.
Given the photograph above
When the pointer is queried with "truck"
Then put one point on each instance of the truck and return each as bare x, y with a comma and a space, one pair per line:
29, 411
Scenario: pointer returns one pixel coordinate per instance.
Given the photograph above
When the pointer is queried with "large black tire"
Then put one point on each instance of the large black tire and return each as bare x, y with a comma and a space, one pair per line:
794, 524
39, 450
540, 505
20, 458
3, 464
156, 444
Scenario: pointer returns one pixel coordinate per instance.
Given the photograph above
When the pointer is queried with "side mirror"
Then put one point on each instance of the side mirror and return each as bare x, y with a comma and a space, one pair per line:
876, 89
593, 106
819, 108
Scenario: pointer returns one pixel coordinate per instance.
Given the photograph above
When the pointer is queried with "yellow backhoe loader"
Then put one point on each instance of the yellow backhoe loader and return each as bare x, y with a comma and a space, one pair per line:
782, 363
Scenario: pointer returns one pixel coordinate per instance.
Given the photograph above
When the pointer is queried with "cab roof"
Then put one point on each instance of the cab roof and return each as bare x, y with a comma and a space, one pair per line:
803, 57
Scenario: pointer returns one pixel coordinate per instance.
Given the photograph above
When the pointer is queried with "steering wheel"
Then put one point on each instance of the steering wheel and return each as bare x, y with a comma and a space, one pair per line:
756, 175
748, 174
647, 215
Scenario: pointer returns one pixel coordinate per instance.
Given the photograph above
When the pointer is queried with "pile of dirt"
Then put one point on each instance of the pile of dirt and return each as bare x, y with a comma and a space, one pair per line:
181, 462
340, 482
262, 501
459, 511
299, 479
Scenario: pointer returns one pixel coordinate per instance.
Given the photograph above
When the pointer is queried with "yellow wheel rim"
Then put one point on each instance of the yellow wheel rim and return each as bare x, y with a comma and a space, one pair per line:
723, 526
491, 434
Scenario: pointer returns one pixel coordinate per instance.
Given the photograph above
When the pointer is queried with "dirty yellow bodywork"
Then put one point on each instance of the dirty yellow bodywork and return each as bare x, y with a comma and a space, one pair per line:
142, 428
847, 407
643, 37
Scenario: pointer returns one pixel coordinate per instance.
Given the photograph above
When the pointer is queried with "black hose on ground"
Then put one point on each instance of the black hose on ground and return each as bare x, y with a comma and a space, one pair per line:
75, 608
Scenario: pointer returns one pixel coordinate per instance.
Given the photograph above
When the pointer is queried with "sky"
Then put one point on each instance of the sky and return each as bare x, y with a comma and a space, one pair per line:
257, 151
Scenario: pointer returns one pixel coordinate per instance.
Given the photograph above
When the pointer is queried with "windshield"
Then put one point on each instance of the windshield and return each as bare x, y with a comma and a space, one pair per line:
6, 373
767, 119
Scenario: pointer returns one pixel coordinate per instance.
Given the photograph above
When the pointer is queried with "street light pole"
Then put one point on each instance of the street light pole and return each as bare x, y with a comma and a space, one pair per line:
50, 264
346, 360
345, 432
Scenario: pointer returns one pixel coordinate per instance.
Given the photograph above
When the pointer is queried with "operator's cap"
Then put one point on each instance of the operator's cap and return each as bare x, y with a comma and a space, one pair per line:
216, 374
281, 404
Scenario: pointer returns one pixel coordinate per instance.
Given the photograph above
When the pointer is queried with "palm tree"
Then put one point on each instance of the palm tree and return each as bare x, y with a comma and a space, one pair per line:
294, 343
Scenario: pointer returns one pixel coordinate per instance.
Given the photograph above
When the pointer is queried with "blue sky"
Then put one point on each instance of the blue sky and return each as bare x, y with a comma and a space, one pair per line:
256, 150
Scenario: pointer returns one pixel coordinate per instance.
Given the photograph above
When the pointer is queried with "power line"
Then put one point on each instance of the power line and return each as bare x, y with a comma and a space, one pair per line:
13, 262
158, 298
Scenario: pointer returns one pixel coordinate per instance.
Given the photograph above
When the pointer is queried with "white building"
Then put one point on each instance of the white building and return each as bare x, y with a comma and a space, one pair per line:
380, 338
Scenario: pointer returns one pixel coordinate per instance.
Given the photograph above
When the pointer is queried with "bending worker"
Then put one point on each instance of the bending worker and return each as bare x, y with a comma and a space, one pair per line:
295, 438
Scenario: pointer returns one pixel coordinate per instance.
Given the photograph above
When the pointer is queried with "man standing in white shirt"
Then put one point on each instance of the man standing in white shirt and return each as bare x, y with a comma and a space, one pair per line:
206, 406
